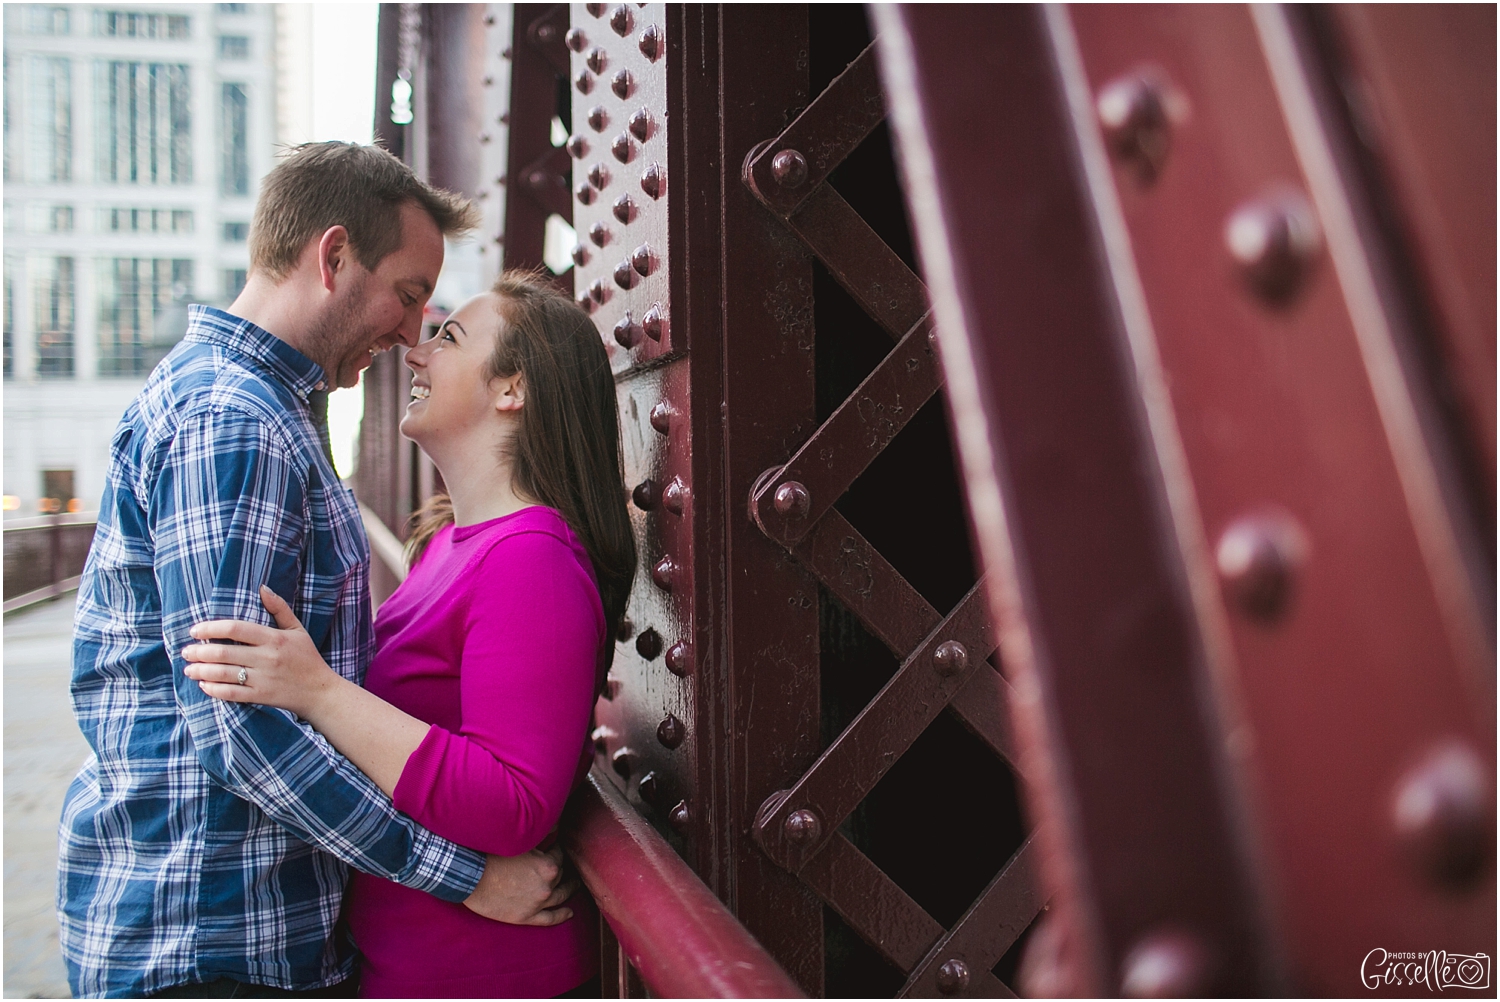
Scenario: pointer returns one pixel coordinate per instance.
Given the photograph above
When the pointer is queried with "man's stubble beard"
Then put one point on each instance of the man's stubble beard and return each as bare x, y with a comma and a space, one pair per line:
341, 339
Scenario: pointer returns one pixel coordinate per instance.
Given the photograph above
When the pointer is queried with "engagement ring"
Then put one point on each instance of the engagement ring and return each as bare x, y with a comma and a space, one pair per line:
244, 674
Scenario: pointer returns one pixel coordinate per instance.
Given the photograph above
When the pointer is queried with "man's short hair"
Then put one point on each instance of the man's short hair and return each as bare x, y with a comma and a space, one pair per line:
361, 188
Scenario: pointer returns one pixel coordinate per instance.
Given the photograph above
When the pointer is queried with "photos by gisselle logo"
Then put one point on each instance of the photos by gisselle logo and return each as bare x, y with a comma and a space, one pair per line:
1436, 969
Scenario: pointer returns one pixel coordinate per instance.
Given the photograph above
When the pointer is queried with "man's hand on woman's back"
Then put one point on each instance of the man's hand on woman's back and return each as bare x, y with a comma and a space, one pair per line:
524, 890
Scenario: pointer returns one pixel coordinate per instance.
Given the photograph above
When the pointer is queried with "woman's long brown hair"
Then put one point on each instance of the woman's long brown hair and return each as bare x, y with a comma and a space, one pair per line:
566, 450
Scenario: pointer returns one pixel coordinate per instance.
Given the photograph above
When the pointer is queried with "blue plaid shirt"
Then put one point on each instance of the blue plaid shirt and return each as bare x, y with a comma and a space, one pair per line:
206, 839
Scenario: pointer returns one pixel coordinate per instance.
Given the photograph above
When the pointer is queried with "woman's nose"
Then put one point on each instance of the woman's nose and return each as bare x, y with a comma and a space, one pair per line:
416, 356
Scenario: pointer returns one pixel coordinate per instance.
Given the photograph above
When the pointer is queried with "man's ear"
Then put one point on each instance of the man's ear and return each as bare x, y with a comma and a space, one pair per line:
510, 392
333, 254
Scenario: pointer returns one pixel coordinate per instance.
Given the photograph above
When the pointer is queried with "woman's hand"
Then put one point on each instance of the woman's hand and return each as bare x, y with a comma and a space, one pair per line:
279, 666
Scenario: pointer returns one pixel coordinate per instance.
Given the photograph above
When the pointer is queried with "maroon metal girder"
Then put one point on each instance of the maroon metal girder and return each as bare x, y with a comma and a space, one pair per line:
819, 139
530, 166
1066, 496
794, 826
872, 903
787, 505
684, 942
987, 930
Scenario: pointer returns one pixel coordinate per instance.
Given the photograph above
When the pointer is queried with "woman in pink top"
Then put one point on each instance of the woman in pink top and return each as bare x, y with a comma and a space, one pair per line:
475, 712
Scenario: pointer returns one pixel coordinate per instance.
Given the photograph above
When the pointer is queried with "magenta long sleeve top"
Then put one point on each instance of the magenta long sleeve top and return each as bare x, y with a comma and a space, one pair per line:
494, 639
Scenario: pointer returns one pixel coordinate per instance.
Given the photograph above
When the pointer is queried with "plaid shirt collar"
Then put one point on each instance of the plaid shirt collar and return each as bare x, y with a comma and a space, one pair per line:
209, 325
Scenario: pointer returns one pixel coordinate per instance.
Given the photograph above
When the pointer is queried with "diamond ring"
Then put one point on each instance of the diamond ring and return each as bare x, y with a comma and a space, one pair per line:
244, 674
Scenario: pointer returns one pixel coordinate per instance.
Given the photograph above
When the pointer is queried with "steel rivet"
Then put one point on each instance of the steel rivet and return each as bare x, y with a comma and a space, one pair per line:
627, 332
625, 630
1133, 113
1257, 558
624, 209
599, 292
1274, 241
802, 827
622, 84
578, 147
950, 658
648, 645
651, 43
488, 81
601, 736
598, 118
680, 658
584, 81
575, 39
585, 303
597, 60
484, 137
652, 181
662, 413
623, 148
580, 255
953, 976
640, 124
645, 494
505, 52
624, 762
681, 817
663, 573
546, 33
789, 168
489, 20
792, 500
599, 234
504, 117
598, 176
625, 276
643, 260
585, 193
646, 788
1442, 814
595, 9
621, 20
670, 732
1169, 964
655, 322
674, 496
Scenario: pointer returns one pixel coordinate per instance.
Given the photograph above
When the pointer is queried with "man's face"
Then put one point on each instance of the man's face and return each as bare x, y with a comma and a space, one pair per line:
371, 311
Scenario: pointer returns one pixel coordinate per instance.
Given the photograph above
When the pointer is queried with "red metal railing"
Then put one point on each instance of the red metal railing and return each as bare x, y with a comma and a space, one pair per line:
681, 938
44, 556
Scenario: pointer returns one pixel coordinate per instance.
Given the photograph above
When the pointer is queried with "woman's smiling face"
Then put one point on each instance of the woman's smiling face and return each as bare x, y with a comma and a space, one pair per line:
452, 398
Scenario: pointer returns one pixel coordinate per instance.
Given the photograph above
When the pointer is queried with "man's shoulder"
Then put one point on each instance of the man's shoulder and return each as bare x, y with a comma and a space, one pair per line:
199, 380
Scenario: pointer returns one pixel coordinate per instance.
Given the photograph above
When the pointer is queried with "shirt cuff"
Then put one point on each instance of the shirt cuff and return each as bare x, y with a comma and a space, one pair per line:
444, 869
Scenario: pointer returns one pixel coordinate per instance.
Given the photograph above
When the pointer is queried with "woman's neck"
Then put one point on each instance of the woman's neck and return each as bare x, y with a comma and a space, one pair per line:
482, 491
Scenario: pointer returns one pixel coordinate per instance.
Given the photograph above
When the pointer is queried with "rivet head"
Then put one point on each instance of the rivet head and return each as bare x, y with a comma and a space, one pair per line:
655, 322
792, 500
1133, 112
621, 20
643, 260
640, 124
597, 59
546, 33
680, 659
674, 496
578, 147
950, 658
661, 416
602, 736
623, 148
650, 42
599, 234
625, 276
1442, 813
1166, 964
953, 976
802, 827
598, 291
625, 630
576, 39
624, 208
1258, 557
622, 84
646, 788
653, 181
648, 645
664, 573
598, 175
585, 303
645, 495
628, 332
1274, 240
670, 732
596, 9
584, 81
598, 118
789, 168
580, 255
623, 761
539, 179
585, 193
681, 817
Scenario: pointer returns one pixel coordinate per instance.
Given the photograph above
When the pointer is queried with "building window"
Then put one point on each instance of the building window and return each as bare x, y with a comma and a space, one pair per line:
234, 47
182, 220
235, 130
60, 219
10, 318
233, 8
52, 316
134, 294
234, 283
57, 492
41, 19
128, 24
116, 220
49, 114
236, 233
144, 123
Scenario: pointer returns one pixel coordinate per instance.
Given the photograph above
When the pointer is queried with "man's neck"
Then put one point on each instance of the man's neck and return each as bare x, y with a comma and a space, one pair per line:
283, 310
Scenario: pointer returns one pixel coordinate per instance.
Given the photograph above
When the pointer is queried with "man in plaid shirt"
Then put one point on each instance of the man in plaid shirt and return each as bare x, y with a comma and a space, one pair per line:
203, 848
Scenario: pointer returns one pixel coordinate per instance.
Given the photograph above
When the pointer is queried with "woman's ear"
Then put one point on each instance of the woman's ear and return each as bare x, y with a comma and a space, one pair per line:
510, 393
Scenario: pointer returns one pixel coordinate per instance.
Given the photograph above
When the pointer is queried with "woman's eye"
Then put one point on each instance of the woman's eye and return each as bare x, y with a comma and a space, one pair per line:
446, 334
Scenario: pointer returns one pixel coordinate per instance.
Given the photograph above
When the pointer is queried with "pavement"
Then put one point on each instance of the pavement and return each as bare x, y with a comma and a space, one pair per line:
43, 752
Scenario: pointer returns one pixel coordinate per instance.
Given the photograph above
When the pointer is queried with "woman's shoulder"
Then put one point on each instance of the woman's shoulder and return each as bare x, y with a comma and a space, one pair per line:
531, 534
